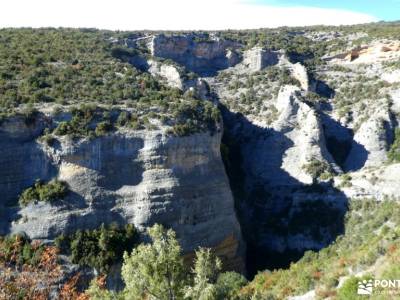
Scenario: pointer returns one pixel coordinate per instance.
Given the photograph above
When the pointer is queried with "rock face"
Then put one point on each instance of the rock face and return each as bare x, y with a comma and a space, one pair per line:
374, 137
170, 73
295, 139
204, 56
137, 177
257, 59
299, 72
377, 51
376, 183
391, 77
286, 151
291, 148
300, 125
275, 183
22, 159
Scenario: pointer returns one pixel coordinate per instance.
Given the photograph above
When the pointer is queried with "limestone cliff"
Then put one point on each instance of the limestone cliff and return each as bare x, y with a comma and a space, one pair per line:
257, 58
304, 133
137, 177
279, 165
203, 55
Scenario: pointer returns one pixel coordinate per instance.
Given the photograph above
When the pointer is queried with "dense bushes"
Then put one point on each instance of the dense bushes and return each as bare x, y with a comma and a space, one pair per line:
297, 39
317, 169
87, 120
349, 289
41, 191
252, 94
31, 270
357, 92
185, 117
64, 64
372, 234
366, 240
282, 75
195, 116
229, 285
71, 66
99, 248
19, 250
156, 270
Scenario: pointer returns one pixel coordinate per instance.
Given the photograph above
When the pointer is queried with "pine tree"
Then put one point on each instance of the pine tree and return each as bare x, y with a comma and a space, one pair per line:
206, 269
155, 270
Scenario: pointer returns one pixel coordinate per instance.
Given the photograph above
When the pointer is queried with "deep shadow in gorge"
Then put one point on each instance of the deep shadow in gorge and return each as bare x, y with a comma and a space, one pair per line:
281, 218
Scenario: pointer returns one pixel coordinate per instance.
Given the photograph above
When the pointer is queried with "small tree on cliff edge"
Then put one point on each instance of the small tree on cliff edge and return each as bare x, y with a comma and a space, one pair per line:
155, 270
206, 269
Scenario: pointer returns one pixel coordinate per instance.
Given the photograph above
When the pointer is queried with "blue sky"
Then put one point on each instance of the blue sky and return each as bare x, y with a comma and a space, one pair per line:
193, 14
388, 10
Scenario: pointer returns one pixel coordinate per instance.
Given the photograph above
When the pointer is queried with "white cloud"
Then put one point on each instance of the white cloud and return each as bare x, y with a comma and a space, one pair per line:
167, 14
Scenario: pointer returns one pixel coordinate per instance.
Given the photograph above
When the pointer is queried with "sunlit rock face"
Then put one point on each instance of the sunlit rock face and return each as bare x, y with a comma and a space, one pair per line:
202, 55
136, 177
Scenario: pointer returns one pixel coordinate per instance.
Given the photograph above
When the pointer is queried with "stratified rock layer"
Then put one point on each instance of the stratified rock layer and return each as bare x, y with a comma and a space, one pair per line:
204, 55
137, 177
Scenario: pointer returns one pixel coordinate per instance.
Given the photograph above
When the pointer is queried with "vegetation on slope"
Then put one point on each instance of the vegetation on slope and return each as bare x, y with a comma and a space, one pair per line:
292, 39
71, 67
394, 152
99, 248
369, 244
45, 65
318, 169
369, 247
40, 191
253, 94
156, 271
31, 270
78, 66
17, 250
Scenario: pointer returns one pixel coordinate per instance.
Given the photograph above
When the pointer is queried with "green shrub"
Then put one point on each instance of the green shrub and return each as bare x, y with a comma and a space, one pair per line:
346, 180
123, 119
49, 192
47, 138
364, 243
80, 124
317, 169
282, 75
29, 113
63, 128
229, 284
19, 250
58, 68
156, 270
349, 289
195, 116
394, 152
99, 248
103, 128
